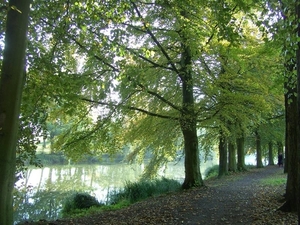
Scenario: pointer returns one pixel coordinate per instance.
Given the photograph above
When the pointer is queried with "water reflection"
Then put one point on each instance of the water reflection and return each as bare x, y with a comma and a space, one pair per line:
43, 190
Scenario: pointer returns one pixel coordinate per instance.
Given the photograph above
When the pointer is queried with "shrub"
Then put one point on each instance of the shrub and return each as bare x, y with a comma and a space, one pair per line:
79, 201
135, 191
212, 172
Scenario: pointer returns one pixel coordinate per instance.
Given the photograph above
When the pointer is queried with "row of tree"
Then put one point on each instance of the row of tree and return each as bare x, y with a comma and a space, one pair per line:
160, 75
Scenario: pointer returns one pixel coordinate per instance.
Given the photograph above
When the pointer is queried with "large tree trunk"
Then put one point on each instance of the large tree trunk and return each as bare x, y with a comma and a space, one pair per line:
271, 155
240, 143
232, 157
291, 142
297, 119
223, 165
12, 80
189, 124
291, 114
259, 163
191, 161
291, 146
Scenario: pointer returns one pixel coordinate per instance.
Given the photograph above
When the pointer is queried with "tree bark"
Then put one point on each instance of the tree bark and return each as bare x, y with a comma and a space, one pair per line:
259, 163
191, 161
291, 146
291, 142
188, 124
291, 114
297, 120
11, 84
286, 152
240, 143
232, 157
223, 165
271, 155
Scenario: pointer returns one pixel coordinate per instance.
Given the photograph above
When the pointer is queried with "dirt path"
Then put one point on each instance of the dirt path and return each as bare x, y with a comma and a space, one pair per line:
236, 199
230, 201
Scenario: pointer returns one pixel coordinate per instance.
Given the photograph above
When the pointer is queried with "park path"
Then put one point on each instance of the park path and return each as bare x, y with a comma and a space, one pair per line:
229, 201
236, 199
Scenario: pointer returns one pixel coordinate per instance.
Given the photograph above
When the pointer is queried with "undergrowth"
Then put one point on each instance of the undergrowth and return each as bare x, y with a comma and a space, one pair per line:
82, 204
78, 202
211, 172
136, 191
131, 193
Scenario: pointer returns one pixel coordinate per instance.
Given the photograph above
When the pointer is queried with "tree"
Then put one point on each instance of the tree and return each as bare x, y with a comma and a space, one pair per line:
291, 141
12, 81
160, 76
284, 35
232, 166
240, 143
271, 153
153, 68
223, 156
258, 150
298, 101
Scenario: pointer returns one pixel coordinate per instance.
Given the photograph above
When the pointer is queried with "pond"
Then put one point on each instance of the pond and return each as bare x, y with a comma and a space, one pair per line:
42, 191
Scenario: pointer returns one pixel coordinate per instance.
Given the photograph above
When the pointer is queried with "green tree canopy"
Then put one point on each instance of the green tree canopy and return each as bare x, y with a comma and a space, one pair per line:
156, 72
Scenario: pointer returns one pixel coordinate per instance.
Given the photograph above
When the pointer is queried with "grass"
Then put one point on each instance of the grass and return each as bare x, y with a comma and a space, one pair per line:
276, 180
136, 191
132, 192
211, 172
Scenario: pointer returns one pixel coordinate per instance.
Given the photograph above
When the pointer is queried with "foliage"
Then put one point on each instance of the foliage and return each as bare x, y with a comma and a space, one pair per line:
133, 192
52, 159
137, 191
212, 172
79, 201
114, 74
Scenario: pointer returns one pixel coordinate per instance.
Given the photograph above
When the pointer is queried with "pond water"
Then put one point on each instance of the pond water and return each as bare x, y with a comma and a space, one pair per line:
43, 190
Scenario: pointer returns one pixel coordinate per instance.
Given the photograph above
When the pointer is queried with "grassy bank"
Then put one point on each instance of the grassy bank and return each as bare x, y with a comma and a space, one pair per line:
131, 193
82, 204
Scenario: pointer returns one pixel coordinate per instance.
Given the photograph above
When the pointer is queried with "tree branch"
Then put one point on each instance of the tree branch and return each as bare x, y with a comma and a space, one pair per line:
156, 41
131, 108
155, 94
95, 56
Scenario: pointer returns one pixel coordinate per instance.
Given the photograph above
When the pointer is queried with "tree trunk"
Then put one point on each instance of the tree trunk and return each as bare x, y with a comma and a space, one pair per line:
191, 161
240, 143
291, 146
232, 157
286, 152
259, 163
297, 118
189, 124
291, 114
11, 84
223, 165
271, 155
